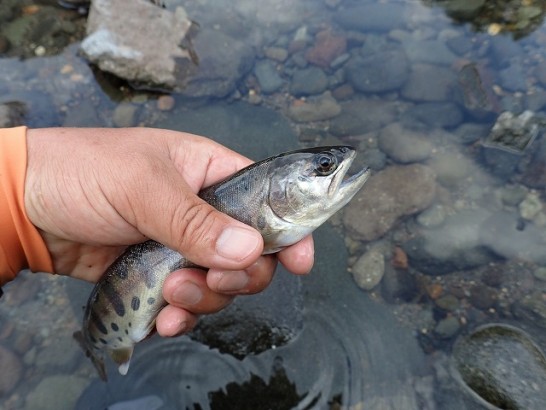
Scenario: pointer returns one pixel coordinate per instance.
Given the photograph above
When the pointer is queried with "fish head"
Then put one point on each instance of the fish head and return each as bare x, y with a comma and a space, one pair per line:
308, 186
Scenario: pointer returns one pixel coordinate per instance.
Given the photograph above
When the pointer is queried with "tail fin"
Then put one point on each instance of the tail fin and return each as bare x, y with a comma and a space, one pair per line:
97, 361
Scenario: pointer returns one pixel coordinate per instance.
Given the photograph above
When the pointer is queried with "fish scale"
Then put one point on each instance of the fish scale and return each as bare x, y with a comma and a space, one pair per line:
285, 198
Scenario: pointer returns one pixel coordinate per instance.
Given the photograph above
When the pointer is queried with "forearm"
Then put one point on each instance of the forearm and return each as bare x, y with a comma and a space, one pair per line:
21, 245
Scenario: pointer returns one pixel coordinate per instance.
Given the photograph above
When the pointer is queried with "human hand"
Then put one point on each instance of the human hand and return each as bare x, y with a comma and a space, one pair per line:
92, 192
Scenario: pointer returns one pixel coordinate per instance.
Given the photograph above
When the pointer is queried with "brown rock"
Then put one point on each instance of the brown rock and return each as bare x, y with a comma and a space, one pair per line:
11, 373
328, 46
400, 258
165, 103
390, 195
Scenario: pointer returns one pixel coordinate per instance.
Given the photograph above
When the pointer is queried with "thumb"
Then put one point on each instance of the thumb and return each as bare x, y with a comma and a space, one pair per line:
186, 223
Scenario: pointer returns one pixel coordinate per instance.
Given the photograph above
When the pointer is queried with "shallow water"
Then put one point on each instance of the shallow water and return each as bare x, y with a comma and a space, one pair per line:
445, 104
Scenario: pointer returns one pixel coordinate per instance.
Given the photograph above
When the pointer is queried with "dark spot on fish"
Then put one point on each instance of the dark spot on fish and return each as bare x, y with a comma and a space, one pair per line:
97, 321
135, 303
120, 339
151, 301
261, 222
130, 324
102, 341
93, 340
520, 226
115, 299
115, 327
126, 332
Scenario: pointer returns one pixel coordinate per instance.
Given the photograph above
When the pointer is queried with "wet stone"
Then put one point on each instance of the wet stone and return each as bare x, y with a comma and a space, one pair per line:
268, 77
512, 78
428, 51
369, 269
390, 194
469, 133
374, 158
328, 46
276, 53
309, 81
125, 115
540, 274
501, 366
429, 83
362, 116
439, 114
319, 108
448, 303
512, 195
482, 297
448, 327
404, 145
432, 217
382, 71
381, 17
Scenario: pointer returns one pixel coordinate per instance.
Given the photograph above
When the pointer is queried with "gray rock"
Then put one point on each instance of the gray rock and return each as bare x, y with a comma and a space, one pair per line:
56, 392
373, 158
319, 108
268, 77
469, 133
465, 9
439, 114
389, 195
368, 270
309, 81
432, 217
362, 116
512, 77
460, 44
383, 71
428, 51
448, 327
12, 370
504, 49
118, 42
382, 17
452, 169
429, 83
404, 145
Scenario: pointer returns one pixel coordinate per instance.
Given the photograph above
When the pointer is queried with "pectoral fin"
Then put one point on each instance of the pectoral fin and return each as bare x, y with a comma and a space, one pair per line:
122, 357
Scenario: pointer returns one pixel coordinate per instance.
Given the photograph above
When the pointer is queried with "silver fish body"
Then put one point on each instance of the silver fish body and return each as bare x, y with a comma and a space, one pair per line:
285, 198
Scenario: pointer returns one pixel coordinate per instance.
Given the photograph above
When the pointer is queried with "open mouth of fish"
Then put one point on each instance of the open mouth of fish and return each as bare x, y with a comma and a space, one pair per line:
344, 184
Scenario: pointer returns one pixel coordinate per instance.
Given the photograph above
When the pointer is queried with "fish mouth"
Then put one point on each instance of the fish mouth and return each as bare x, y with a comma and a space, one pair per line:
345, 185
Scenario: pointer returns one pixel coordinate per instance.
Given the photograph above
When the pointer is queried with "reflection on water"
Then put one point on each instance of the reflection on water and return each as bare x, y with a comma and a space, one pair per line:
448, 234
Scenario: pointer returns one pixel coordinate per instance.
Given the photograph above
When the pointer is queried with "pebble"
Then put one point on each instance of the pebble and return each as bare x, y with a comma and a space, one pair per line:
165, 103
362, 116
343, 92
399, 258
124, 115
328, 46
12, 371
369, 269
540, 273
379, 72
390, 195
314, 109
482, 297
276, 53
452, 169
448, 303
268, 77
404, 145
530, 206
380, 17
438, 114
512, 195
309, 81
429, 83
447, 328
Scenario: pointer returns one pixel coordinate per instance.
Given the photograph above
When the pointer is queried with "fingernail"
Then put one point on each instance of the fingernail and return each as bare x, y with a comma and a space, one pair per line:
188, 293
232, 281
236, 243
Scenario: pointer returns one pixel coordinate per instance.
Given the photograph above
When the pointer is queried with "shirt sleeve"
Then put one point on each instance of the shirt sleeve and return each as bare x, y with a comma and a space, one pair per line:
21, 245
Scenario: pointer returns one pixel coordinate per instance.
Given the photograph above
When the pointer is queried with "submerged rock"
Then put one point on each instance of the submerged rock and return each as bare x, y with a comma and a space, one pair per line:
389, 195
500, 365
12, 370
118, 41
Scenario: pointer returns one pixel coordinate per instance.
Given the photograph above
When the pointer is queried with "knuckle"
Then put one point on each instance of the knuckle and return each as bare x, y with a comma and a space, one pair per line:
195, 225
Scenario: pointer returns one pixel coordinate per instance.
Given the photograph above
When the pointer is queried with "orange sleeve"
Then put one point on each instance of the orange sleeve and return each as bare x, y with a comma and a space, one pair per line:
21, 245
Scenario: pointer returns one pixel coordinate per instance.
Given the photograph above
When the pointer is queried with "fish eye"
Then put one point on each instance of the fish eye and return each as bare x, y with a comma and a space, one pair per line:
325, 163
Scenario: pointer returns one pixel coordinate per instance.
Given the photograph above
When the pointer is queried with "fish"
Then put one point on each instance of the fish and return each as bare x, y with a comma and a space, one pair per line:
285, 197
